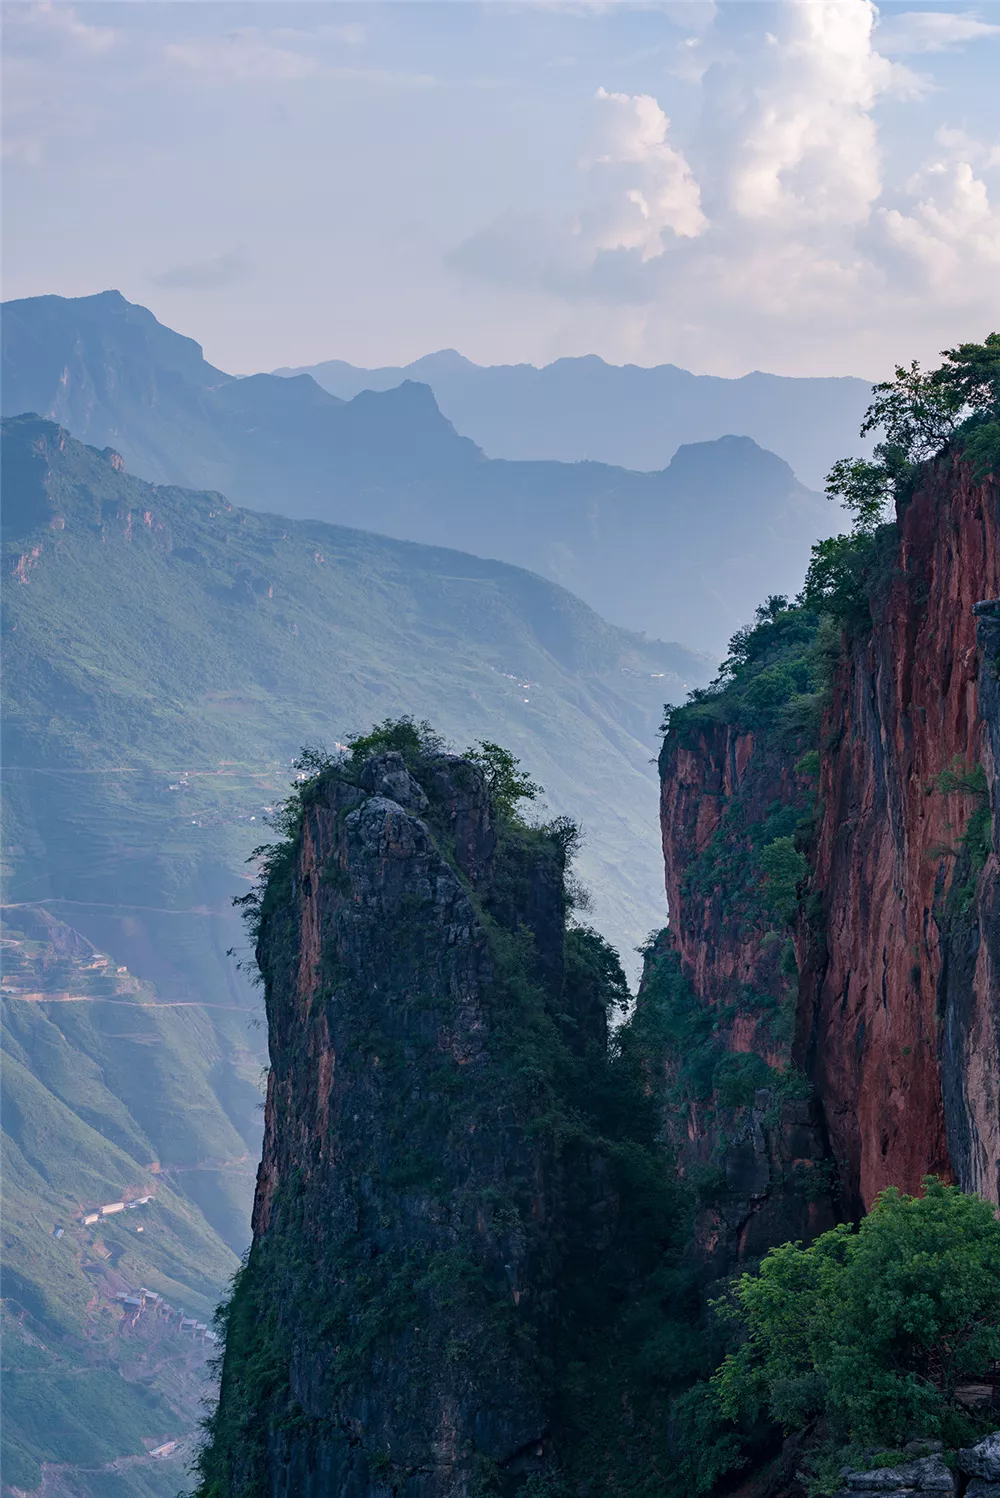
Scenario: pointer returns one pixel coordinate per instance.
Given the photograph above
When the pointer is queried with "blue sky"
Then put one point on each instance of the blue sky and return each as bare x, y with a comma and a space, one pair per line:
808, 186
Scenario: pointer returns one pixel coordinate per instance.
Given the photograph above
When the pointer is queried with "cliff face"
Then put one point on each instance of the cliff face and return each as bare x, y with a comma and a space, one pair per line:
402, 1249
901, 993
456, 1197
746, 1133
861, 780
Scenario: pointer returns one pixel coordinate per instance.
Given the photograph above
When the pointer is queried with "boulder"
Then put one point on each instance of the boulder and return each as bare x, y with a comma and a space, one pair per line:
982, 1460
980, 1488
928, 1475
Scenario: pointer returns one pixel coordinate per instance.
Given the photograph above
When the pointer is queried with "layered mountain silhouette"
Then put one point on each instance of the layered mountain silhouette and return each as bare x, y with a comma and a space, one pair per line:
684, 553
575, 409
166, 655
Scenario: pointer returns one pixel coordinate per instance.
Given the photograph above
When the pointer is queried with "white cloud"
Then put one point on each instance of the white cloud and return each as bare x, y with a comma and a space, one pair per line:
43, 44
243, 56
50, 26
958, 145
951, 235
773, 219
932, 31
802, 145
645, 185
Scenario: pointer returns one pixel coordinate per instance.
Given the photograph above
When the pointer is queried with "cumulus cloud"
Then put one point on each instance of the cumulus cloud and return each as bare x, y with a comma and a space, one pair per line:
646, 186
772, 216
951, 234
932, 31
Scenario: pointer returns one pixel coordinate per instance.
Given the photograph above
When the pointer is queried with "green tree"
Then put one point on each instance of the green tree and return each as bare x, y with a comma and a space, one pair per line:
873, 1329
918, 414
784, 868
508, 785
409, 738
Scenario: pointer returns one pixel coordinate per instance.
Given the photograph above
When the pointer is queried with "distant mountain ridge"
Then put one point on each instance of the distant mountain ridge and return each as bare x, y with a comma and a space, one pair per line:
166, 654
685, 553
627, 415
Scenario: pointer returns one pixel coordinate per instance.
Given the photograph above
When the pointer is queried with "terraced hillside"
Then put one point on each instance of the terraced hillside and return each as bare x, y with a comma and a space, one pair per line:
166, 655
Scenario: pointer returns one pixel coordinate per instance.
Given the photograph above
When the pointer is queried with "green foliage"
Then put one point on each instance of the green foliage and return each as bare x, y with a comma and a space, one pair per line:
768, 679
412, 740
508, 785
737, 1076
981, 446
594, 971
845, 572
961, 779
968, 781
874, 1329
919, 414
784, 868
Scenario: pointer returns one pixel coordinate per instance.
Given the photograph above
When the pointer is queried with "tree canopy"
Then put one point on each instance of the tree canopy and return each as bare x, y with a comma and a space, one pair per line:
873, 1329
918, 414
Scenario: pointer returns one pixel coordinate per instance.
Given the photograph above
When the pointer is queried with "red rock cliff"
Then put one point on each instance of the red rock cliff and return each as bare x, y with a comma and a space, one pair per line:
745, 1133
892, 1005
901, 995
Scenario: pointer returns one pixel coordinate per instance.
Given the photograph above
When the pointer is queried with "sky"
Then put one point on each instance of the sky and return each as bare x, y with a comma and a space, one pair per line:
806, 187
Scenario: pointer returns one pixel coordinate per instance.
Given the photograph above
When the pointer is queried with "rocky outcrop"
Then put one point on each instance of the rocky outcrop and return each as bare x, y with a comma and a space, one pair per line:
982, 1460
927, 1474
441, 1229
403, 1250
977, 1474
885, 998
899, 999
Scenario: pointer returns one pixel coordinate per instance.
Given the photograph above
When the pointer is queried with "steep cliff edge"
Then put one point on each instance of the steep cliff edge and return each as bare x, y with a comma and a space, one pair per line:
831, 870
902, 990
461, 1192
738, 794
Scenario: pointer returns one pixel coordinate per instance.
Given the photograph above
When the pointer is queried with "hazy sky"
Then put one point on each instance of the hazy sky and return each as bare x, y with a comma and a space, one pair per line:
811, 186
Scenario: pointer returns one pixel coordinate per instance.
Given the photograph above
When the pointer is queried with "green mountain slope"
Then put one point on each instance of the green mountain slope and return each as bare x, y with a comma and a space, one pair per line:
685, 552
166, 655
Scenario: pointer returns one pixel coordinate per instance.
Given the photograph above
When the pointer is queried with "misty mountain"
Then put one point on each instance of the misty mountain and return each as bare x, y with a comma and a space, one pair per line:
685, 553
578, 409
166, 655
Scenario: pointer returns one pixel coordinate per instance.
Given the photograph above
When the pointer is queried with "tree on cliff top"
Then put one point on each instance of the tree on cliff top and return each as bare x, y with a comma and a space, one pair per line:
874, 1329
919, 414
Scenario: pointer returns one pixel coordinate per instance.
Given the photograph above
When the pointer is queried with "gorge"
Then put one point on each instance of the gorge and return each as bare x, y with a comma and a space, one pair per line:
486, 1234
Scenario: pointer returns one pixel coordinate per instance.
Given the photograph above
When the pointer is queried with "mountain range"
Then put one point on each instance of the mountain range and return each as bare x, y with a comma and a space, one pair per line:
683, 553
166, 656
626, 415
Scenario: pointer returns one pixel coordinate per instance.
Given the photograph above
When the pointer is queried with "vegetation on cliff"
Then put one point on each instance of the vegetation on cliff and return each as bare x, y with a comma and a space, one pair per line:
920, 415
581, 1202
864, 1335
873, 1328
860, 1340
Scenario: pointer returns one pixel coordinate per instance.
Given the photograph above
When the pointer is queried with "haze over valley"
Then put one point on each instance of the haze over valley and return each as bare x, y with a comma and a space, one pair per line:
500, 892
